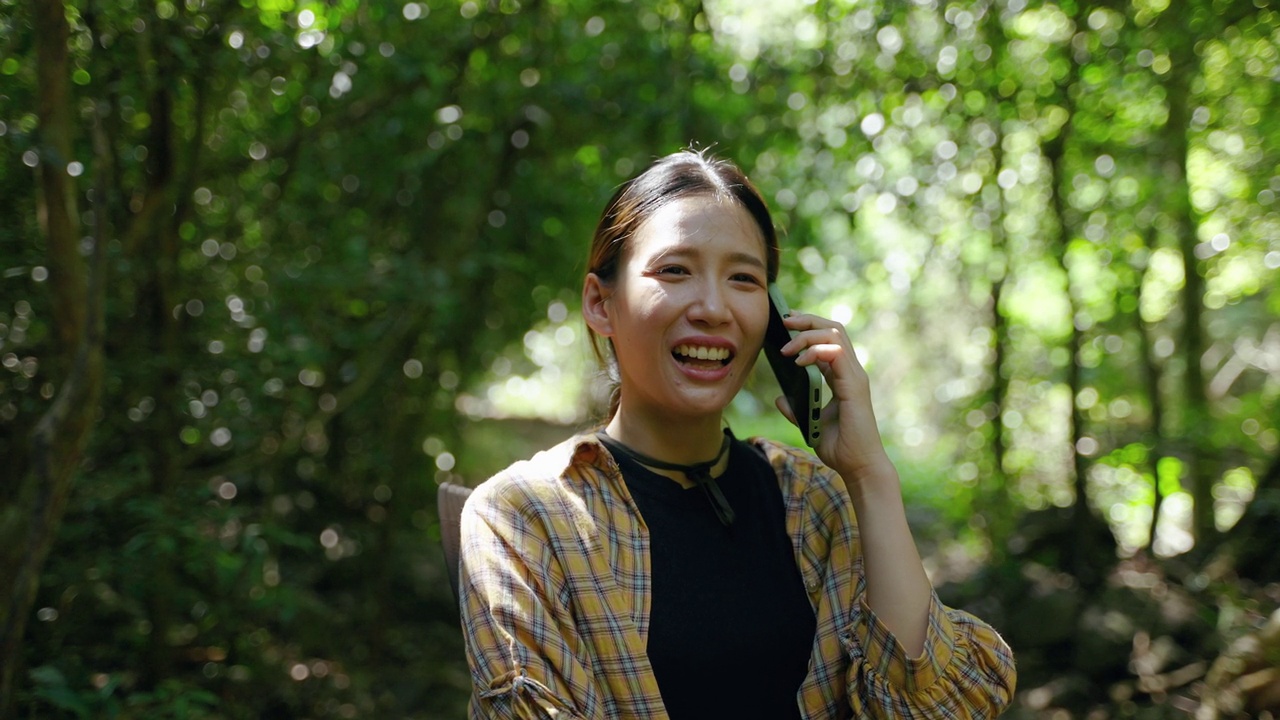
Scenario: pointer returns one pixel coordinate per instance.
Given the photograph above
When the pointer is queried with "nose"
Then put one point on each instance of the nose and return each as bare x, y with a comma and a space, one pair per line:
711, 306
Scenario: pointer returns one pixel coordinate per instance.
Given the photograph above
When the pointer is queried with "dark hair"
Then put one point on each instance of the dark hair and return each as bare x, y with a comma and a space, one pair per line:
687, 173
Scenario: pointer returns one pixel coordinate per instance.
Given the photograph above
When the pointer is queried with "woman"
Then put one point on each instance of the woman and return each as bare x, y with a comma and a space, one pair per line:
659, 567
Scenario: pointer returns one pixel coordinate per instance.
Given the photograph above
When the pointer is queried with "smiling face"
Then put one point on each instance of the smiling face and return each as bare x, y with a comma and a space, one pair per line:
687, 309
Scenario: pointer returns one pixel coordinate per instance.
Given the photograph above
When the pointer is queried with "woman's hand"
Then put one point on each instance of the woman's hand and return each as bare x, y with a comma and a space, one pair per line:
898, 589
850, 441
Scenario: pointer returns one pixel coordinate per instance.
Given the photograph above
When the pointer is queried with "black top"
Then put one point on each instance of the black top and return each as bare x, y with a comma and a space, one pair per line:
731, 628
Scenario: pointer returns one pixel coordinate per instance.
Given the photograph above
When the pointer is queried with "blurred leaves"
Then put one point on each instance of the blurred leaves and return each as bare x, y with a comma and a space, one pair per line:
348, 242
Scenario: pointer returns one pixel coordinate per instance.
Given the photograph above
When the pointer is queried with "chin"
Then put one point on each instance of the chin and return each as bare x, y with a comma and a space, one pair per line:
703, 406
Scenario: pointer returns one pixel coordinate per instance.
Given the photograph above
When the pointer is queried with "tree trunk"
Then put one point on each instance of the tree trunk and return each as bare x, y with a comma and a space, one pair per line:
1079, 564
998, 485
1151, 374
158, 298
1195, 414
57, 442
59, 218
1000, 525
1084, 522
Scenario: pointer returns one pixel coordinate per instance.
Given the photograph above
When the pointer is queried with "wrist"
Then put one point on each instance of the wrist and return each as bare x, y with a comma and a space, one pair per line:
871, 478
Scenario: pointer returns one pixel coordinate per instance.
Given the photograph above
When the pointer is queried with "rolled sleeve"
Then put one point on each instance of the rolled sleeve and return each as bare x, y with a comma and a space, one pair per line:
525, 656
965, 671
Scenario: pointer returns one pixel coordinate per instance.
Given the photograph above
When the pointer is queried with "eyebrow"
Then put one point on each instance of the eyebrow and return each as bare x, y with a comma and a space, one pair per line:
740, 258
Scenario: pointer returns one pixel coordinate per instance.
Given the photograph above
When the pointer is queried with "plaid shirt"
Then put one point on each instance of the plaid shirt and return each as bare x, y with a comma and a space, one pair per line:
555, 591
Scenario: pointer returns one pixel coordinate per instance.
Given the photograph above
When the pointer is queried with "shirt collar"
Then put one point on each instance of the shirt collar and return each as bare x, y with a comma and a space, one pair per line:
585, 448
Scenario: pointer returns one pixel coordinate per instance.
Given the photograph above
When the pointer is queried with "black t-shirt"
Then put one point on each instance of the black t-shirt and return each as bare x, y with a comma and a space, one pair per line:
731, 629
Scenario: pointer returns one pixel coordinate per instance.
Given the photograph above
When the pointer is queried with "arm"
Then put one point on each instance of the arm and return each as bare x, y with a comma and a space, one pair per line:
527, 659
909, 656
965, 671
897, 588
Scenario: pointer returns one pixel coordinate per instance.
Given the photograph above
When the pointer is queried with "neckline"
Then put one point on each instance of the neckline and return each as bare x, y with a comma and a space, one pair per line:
699, 473
693, 471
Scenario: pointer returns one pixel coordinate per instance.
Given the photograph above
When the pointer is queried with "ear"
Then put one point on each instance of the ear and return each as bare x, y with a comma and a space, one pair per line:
595, 305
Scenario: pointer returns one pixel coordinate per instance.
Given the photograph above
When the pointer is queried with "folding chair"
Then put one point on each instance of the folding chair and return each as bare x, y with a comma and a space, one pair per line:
450, 498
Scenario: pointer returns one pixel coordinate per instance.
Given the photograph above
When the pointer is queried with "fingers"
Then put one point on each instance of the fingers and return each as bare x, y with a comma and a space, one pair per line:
803, 322
807, 321
815, 325
821, 353
826, 344
825, 338
849, 434
785, 408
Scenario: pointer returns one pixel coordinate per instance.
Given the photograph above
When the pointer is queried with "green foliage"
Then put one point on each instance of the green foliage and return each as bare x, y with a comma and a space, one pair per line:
346, 241
172, 699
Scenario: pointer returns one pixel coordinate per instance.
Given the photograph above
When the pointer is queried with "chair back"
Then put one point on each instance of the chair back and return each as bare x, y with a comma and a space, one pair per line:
450, 498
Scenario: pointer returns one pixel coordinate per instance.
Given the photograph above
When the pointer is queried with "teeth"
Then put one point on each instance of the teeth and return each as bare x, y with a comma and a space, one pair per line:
699, 352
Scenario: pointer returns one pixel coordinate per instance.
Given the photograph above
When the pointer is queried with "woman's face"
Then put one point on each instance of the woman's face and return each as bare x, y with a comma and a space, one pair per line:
688, 308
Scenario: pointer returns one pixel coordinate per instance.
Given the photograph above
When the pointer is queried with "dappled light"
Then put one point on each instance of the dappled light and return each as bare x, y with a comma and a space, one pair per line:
335, 249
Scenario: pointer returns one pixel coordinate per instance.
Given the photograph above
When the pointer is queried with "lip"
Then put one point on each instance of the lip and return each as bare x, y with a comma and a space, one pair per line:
706, 374
707, 341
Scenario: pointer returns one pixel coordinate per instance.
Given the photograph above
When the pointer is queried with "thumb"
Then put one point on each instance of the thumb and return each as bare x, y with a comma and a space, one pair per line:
785, 408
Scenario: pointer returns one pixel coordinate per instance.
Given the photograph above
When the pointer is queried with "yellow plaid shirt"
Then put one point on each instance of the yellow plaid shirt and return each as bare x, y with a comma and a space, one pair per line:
555, 589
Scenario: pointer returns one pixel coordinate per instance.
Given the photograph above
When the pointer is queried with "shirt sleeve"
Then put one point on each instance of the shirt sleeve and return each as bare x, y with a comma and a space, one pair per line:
525, 655
965, 671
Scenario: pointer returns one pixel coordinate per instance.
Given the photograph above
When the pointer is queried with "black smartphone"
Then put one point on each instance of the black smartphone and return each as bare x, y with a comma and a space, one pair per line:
802, 386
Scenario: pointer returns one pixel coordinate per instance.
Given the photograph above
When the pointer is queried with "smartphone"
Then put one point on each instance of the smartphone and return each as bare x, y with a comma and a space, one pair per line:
802, 386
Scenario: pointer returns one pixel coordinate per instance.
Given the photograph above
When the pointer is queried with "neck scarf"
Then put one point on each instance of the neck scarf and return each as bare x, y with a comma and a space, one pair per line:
697, 473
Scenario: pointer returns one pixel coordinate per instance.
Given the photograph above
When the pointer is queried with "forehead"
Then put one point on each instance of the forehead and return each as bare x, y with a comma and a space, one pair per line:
699, 223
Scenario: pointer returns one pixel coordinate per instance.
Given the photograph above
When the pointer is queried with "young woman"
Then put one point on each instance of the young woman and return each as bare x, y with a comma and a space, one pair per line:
660, 567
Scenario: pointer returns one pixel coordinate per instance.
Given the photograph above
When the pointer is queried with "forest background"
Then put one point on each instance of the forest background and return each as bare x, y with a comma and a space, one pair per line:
270, 270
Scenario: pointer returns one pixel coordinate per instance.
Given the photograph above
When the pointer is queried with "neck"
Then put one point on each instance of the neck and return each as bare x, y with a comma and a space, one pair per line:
689, 475
673, 441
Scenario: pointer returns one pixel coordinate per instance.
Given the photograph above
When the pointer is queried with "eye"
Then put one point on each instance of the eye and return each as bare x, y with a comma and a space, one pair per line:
747, 278
671, 270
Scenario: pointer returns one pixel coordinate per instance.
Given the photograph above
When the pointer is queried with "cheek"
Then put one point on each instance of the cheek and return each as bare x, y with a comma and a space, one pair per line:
651, 303
756, 321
